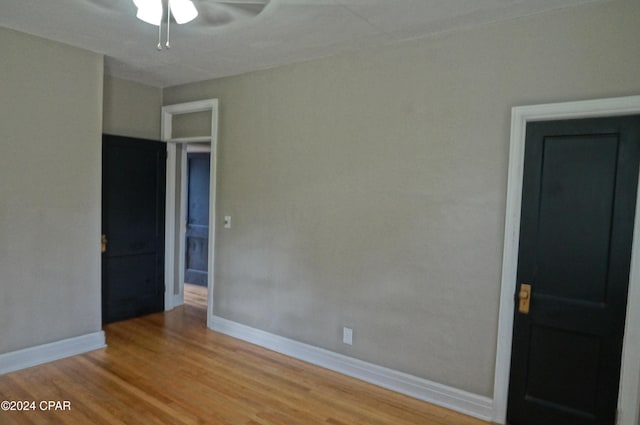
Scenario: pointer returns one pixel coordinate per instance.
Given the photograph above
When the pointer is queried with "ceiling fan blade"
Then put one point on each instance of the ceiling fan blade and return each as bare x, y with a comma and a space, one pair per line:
248, 9
212, 15
218, 13
256, 2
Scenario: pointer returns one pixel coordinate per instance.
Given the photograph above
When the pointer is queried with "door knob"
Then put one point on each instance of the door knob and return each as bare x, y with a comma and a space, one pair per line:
103, 244
524, 297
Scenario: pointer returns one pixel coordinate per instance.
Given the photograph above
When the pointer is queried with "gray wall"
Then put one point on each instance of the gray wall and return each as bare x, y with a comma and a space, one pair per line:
369, 189
50, 125
131, 109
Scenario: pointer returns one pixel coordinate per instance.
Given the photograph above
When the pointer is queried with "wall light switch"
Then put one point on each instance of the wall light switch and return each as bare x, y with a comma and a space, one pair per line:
347, 335
227, 222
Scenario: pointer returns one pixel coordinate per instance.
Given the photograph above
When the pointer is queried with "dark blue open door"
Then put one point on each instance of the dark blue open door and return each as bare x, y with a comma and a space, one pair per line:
133, 206
197, 235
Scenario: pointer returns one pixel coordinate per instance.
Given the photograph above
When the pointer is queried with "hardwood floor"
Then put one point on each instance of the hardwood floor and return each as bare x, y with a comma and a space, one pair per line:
168, 368
195, 295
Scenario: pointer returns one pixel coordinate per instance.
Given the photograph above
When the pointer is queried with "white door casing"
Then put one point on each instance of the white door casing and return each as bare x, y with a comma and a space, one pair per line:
175, 254
629, 396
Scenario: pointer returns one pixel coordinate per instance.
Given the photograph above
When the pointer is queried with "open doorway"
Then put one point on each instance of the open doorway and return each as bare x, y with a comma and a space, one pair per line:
202, 120
195, 232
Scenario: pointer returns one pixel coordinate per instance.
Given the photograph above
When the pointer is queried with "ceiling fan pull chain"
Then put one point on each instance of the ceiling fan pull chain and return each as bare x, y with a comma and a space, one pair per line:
168, 23
159, 37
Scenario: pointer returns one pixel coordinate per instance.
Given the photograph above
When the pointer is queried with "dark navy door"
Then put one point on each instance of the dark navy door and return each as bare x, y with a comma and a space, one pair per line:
197, 234
578, 205
133, 210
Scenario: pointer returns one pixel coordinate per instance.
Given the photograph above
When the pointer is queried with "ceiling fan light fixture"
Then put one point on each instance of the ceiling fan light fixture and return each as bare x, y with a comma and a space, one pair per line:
183, 10
149, 11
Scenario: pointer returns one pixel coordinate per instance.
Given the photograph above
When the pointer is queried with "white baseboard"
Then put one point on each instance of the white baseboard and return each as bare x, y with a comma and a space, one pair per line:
22, 359
178, 300
461, 401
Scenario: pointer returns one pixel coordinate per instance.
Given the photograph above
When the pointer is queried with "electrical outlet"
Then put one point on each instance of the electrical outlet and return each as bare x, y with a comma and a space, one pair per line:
347, 335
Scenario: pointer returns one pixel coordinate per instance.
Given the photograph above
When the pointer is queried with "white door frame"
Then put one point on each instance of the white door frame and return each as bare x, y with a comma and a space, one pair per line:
630, 373
173, 255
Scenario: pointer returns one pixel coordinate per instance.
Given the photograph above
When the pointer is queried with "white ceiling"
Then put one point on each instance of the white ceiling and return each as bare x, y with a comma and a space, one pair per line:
286, 31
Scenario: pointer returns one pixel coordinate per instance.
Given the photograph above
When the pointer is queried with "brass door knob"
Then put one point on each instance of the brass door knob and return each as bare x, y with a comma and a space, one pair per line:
524, 298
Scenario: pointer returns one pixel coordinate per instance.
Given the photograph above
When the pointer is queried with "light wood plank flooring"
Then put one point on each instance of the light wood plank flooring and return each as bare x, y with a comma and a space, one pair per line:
195, 295
169, 369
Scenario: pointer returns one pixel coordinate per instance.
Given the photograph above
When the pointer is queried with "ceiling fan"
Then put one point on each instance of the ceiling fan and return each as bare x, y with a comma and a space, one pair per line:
213, 12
